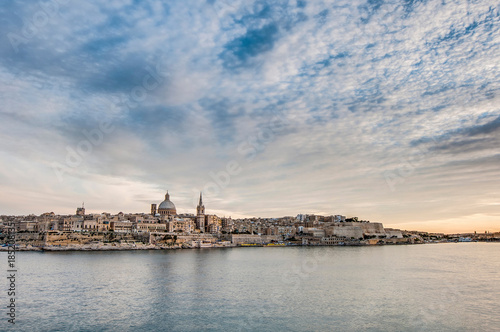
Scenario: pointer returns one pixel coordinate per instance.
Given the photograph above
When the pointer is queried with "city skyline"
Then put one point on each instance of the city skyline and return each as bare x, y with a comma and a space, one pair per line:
368, 109
200, 210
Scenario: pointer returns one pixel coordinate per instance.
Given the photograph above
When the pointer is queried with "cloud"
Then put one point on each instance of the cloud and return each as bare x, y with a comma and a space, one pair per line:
360, 87
241, 50
491, 127
469, 139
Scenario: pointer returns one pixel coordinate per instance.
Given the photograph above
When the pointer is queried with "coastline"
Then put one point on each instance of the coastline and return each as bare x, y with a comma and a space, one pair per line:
129, 247
110, 241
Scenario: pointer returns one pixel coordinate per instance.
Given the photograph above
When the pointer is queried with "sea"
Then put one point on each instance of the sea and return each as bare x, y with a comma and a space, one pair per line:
427, 287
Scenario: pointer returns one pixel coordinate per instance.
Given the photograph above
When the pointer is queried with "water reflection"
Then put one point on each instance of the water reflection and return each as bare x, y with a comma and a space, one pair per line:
391, 288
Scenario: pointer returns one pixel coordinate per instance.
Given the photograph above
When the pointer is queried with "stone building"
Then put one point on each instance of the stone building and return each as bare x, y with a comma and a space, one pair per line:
148, 227
213, 224
181, 225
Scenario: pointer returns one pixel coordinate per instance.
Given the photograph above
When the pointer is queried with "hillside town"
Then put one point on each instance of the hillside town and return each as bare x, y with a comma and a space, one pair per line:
163, 228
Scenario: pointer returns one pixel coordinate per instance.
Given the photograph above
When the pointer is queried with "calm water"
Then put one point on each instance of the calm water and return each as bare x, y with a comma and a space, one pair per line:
445, 287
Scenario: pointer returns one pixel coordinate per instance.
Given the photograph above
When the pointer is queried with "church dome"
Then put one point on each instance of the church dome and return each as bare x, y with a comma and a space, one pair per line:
167, 207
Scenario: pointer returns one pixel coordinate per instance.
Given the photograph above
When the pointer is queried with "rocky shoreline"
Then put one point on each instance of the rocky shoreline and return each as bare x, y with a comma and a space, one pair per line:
125, 247
94, 247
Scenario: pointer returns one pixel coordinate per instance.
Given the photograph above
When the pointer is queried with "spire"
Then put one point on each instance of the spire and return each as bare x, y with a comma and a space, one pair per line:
167, 196
201, 202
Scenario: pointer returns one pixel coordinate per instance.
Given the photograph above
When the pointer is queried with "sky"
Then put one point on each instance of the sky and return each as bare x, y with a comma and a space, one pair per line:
385, 110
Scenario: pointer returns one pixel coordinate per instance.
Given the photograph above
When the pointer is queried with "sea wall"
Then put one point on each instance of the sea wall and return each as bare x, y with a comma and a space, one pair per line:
254, 239
65, 239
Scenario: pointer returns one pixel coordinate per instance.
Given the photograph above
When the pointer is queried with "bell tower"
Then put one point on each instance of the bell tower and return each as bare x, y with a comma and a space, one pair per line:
200, 215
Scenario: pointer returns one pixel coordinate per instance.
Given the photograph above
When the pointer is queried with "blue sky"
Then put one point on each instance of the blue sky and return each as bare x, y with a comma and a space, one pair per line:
386, 110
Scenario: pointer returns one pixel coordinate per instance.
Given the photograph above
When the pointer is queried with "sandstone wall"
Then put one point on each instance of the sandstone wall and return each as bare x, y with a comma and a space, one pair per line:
348, 231
373, 228
246, 239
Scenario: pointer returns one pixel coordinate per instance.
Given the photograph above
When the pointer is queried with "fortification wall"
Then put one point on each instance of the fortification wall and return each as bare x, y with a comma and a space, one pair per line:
246, 239
372, 228
348, 231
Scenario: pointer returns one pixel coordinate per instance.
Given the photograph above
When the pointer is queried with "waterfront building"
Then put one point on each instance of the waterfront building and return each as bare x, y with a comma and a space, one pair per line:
90, 225
77, 225
64, 224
